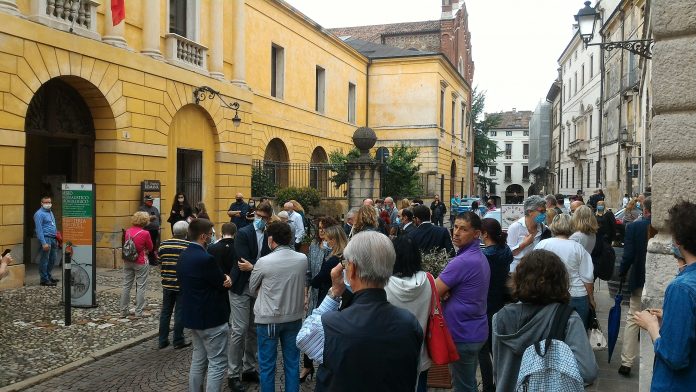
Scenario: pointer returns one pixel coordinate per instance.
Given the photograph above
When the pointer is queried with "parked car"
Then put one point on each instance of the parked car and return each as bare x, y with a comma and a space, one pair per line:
620, 227
466, 204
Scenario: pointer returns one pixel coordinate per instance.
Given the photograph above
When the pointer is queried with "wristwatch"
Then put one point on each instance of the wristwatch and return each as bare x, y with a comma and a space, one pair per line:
332, 296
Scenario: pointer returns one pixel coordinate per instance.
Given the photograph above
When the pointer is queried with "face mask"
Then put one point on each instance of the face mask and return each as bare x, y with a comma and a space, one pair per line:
46, 206
638, 205
148, 203
180, 200
209, 240
398, 221
239, 200
345, 281
600, 208
325, 244
259, 224
677, 253
541, 218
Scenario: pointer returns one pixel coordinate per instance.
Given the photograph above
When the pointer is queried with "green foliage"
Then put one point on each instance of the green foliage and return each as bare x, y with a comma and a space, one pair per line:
307, 197
435, 261
401, 174
261, 183
485, 150
338, 160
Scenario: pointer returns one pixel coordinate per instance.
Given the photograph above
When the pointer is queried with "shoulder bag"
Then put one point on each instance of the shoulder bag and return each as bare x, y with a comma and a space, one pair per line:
438, 339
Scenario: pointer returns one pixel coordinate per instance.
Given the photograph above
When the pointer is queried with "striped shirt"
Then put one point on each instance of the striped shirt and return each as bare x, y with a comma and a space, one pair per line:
310, 338
169, 252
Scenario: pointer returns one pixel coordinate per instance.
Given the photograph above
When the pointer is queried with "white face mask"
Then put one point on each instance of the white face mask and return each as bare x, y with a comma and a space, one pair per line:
46, 205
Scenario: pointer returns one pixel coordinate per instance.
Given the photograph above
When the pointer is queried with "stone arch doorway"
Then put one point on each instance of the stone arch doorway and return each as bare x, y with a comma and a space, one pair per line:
318, 171
514, 194
60, 136
191, 163
453, 179
276, 162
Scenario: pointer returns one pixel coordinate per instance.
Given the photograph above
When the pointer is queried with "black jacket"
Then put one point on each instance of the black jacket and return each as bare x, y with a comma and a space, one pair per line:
370, 346
428, 237
347, 228
247, 248
635, 249
203, 297
224, 254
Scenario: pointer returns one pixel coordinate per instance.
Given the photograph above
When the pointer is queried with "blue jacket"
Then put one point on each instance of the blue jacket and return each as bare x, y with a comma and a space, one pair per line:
635, 249
428, 237
203, 297
45, 225
371, 345
247, 248
499, 259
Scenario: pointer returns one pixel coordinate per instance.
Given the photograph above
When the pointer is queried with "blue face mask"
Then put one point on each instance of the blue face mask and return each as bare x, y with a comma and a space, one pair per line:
259, 224
541, 218
677, 253
638, 205
600, 208
398, 221
345, 281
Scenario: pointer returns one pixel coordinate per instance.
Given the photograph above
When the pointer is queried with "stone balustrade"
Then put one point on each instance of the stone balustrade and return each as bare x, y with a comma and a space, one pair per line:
79, 17
186, 53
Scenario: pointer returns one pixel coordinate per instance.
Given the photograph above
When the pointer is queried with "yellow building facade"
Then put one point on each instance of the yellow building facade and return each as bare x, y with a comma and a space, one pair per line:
84, 101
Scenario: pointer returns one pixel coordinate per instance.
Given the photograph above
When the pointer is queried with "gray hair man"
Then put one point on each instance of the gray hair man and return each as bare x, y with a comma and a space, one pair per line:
350, 221
526, 232
369, 333
296, 224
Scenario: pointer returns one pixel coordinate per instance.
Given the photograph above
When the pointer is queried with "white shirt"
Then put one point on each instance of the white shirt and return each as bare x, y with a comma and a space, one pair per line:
578, 262
516, 233
259, 241
296, 220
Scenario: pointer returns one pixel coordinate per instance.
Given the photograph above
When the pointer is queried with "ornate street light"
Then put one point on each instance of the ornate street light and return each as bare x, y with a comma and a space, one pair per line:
587, 18
204, 92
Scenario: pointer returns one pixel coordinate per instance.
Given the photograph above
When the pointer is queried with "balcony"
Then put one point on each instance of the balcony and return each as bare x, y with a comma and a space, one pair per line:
577, 149
185, 53
525, 179
66, 15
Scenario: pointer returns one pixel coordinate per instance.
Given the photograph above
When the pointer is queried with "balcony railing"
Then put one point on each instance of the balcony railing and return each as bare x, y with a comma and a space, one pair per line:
78, 15
577, 148
186, 53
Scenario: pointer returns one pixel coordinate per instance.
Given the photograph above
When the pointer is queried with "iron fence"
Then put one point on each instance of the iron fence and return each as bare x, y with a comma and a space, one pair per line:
314, 175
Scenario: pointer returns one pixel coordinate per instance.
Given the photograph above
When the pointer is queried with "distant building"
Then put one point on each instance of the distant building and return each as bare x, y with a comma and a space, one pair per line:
511, 170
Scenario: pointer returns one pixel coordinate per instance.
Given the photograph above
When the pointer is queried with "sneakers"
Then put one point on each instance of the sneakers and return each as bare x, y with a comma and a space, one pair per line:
625, 371
49, 283
251, 376
235, 385
179, 346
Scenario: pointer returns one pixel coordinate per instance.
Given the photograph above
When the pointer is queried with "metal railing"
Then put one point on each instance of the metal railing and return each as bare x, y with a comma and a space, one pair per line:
314, 175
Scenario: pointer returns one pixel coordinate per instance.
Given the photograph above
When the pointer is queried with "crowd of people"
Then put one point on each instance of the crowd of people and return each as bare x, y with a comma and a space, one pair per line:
352, 313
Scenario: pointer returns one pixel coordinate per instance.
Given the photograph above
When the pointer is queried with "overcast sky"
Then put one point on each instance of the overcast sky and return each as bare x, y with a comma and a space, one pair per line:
515, 43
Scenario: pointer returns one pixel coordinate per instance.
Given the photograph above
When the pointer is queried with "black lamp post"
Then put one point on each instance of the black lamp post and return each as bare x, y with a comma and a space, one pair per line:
204, 92
587, 18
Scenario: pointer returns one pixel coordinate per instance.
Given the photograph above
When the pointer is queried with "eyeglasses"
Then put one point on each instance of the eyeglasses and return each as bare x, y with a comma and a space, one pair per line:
542, 211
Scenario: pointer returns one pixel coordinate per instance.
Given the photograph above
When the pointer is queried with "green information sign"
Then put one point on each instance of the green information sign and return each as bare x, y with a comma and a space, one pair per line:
78, 204
79, 229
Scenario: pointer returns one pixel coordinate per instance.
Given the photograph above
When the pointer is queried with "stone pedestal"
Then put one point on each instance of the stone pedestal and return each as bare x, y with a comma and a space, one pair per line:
364, 182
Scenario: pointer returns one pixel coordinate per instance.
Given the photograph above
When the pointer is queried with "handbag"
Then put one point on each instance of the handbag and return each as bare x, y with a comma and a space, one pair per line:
438, 340
597, 339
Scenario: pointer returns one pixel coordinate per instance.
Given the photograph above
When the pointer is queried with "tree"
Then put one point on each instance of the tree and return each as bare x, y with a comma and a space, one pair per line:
401, 174
261, 183
485, 150
338, 160
307, 197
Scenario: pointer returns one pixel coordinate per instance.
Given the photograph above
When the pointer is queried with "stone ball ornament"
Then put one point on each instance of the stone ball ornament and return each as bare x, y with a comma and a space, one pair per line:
364, 139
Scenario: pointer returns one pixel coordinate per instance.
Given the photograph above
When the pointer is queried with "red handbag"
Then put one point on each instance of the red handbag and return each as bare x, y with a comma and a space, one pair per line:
441, 348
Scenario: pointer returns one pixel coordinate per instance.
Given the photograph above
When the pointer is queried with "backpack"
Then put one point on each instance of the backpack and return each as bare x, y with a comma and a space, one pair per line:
603, 259
550, 365
129, 251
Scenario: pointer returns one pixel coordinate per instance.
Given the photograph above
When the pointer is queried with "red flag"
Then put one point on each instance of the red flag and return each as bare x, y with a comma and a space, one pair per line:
118, 11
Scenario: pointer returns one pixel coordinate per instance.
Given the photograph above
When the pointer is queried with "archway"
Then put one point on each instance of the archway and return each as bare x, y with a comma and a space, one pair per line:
191, 163
453, 179
59, 148
276, 162
514, 194
318, 172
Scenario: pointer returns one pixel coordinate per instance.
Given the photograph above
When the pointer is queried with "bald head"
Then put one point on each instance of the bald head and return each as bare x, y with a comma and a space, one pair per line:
239, 195
288, 207
368, 202
574, 205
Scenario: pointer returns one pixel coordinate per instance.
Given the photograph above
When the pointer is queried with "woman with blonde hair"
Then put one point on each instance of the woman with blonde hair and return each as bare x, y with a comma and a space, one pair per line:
404, 203
365, 220
337, 241
632, 212
578, 263
584, 227
136, 270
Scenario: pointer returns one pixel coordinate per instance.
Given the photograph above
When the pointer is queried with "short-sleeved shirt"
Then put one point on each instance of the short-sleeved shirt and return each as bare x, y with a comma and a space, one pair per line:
468, 276
577, 261
516, 233
239, 221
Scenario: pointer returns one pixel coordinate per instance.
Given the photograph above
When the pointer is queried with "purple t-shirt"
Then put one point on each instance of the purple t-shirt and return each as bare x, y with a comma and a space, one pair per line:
468, 276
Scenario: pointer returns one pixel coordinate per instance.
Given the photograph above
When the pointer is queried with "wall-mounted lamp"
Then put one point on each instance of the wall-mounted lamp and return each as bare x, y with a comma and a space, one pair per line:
204, 92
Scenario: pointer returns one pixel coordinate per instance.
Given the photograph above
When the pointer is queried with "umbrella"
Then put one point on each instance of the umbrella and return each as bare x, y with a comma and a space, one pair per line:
614, 322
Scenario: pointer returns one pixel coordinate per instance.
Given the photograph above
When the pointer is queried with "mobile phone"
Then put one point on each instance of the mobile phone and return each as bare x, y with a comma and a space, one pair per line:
5, 252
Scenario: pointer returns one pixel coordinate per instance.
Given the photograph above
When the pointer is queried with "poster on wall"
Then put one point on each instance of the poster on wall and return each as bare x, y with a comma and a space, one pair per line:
79, 228
152, 188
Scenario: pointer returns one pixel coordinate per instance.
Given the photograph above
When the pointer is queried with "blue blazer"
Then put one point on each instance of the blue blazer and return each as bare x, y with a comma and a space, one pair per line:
428, 237
635, 249
203, 297
247, 247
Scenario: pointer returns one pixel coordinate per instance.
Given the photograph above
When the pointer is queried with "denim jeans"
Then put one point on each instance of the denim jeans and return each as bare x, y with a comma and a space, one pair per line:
48, 260
268, 335
138, 273
464, 370
209, 348
582, 307
171, 301
422, 384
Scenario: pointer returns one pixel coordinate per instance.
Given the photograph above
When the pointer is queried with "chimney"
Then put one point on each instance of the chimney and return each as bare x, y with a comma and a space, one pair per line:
446, 9
455, 6
514, 110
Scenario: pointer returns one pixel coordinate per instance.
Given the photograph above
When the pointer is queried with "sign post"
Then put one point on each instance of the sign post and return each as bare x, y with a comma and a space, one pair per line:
79, 228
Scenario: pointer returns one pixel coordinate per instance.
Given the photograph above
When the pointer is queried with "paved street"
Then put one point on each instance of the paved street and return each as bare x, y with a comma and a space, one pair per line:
145, 368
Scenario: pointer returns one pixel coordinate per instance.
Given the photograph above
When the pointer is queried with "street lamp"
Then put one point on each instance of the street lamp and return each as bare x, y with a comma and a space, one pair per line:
204, 92
587, 18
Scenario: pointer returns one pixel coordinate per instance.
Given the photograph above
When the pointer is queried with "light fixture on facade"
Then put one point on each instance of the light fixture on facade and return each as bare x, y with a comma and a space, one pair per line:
587, 19
204, 92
